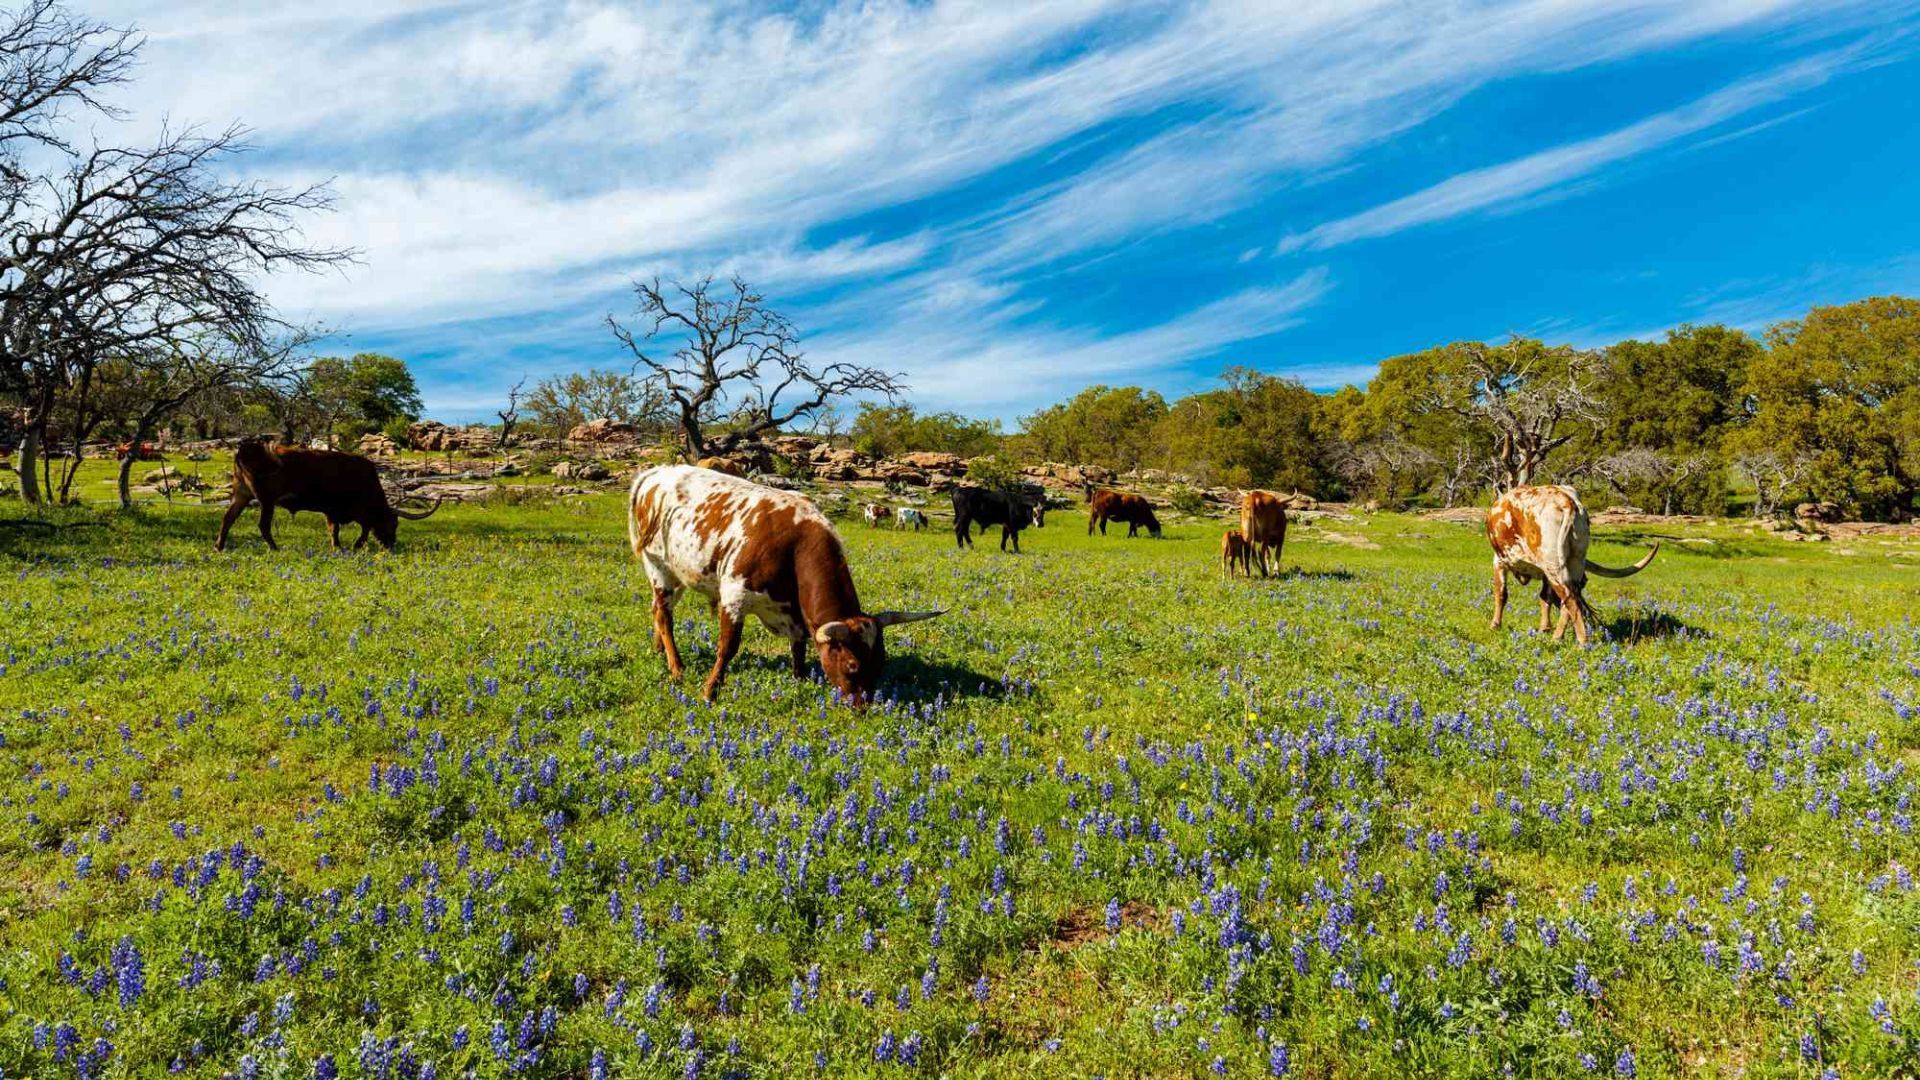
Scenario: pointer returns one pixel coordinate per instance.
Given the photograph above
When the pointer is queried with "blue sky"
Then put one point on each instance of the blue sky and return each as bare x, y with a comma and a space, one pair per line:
1009, 202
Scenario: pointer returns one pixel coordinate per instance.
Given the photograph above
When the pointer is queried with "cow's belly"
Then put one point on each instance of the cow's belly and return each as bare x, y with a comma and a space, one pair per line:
775, 615
1526, 568
686, 563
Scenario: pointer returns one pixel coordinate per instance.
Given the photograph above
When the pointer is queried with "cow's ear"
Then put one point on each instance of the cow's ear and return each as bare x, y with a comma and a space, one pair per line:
833, 631
895, 618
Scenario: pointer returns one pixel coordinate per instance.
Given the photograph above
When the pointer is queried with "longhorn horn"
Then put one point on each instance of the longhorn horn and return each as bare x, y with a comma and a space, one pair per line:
417, 515
896, 618
1605, 571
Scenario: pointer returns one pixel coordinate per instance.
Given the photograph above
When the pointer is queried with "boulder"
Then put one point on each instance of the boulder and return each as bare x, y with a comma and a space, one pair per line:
893, 472
604, 430
1817, 511
377, 444
799, 446
164, 472
581, 470
451, 492
436, 437
933, 461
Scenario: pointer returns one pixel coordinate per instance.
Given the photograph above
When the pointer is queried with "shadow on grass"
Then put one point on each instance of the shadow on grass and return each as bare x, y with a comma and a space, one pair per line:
1297, 574
913, 679
1633, 627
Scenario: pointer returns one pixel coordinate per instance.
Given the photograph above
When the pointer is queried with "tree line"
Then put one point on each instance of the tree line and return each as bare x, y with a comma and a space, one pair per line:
1709, 419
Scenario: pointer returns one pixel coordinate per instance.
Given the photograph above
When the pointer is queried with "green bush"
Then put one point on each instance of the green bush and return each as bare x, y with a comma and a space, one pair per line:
1188, 500
992, 471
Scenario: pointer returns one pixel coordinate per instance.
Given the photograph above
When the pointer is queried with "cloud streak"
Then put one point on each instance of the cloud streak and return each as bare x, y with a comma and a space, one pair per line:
942, 178
1496, 187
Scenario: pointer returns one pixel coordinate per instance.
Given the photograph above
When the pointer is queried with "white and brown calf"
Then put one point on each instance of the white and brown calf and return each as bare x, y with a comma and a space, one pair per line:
876, 513
1541, 533
755, 551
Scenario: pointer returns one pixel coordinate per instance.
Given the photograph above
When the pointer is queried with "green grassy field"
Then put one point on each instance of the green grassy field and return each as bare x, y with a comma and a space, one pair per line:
440, 812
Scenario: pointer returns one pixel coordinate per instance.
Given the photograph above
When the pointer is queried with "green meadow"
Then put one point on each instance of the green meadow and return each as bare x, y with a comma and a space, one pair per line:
440, 812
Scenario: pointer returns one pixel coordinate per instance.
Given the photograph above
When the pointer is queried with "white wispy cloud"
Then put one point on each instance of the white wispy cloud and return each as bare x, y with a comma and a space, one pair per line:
991, 361
1526, 179
524, 158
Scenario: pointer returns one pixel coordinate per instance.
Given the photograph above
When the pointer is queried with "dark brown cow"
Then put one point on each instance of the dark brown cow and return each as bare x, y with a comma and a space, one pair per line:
1542, 532
1263, 521
755, 551
1236, 555
1134, 510
344, 487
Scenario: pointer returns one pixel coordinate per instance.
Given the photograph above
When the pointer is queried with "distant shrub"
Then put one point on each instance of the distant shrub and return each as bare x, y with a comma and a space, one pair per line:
992, 471
1188, 500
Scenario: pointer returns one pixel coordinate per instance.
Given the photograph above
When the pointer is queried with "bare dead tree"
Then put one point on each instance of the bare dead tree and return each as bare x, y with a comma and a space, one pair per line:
134, 249
510, 415
1663, 472
734, 363
1379, 465
1465, 470
52, 61
1774, 474
159, 384
111, 253
1527, 395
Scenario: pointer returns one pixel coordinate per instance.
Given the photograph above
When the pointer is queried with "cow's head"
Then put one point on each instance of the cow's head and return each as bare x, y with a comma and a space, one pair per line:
1037, 512
1153, 524
386, 527
853, 650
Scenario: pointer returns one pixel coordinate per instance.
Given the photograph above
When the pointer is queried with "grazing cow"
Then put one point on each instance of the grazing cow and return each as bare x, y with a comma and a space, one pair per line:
1104, 506
876, 513
146, 451
992, 506
756, 551
907, 516
1236, 555
1542, 532
344, 487
1263, 521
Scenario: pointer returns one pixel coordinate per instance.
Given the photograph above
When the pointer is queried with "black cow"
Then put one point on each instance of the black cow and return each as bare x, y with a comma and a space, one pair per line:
992, 506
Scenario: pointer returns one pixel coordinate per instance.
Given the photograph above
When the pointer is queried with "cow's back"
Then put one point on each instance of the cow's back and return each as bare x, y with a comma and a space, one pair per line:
1263, 517
699, 527
1543, 527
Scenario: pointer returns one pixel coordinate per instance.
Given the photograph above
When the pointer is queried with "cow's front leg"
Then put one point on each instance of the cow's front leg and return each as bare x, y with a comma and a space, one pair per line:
799, 646
266, 525
729, 645
333, 533
663, 630
234, 509
362, 540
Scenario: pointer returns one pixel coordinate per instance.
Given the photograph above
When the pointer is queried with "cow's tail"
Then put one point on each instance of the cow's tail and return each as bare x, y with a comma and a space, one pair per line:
1606, 571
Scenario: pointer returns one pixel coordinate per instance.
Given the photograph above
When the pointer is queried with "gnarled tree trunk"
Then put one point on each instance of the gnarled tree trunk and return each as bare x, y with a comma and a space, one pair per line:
30, 465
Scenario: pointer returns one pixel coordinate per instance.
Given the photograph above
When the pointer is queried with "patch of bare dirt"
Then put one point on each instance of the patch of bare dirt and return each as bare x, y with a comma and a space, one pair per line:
1084, 926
